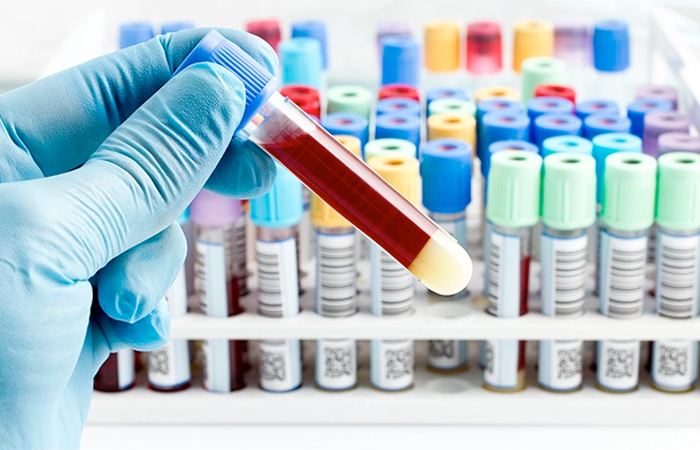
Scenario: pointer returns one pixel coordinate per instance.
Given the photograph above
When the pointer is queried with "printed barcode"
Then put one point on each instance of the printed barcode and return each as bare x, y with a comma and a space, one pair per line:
493, 289
397, 286
626, 274
570, 263
277, 278
336, 275
677, 275
200, 270
241, 255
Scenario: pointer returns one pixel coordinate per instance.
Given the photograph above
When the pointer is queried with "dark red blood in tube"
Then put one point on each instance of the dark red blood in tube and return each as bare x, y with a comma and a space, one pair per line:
237, 356
107, 378
524, 283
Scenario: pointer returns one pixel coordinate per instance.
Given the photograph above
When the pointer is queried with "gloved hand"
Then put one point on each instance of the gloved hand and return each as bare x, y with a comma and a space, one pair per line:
95, 165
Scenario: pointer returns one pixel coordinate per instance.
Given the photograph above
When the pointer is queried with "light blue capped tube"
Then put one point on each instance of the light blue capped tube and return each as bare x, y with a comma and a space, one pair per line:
134, 33
550, 125
276, 216
446, 168
605, 145
301, 62
314, 29
567, 144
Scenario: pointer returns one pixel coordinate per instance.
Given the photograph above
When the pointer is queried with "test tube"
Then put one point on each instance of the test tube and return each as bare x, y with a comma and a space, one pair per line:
657, 123
400, 60
675, 362
350, 99
336, 291
301, 62
452, 126
446, 93
399, 90
678, 142
452, 106
627, 213
658, 93
446, 168
313, 29
596, 124
568, 210
566, 144
393, 287
118, 373
169, 365
267, 29
546, 105
532, 38
551, 125
504, 125
639, 108
347, 123
441, 53
513, 210
338, 177
276, 216
611, 59
491, 105
484, 51
398, 105
556, 90
541, 70
398, 126
589, 107
305, 97
133, 33
215, 218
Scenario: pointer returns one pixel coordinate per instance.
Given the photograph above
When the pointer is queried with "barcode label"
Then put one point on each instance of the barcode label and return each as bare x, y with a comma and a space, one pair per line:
677, 282
563, 273
653, 245
336, 275
391, 364
393, 286
241, 255
622, 274
503, 275
336, 364
169, 365
618, 364
278, 286
210, 270
674, 364
126, 371
559, 365
280, 365
503, 368
447, 354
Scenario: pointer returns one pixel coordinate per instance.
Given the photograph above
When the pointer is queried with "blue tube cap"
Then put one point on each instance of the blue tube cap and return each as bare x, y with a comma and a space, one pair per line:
301, 62
585, 109
437, 94
446, 169
172, 27
638, 109
605, 123
134, 33
550, 125
487, 106
605, 145
259, 83
400, 60
282, 206
500, 146
315, 29
566, 144
398, 105
503, 126
611, 46
548, 105
347, 123
398, 126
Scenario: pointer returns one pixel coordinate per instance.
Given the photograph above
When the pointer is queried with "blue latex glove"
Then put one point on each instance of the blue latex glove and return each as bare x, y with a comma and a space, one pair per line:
95, 165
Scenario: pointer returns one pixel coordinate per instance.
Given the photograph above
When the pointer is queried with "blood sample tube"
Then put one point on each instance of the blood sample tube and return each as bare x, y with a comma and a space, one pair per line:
678, 142
169, 365
541, 70
639, 108
658, 93
611, 59
276, 216
347, 123
441, 53
400, 61
532, 38
627, 214
446, 93
268, 30
117, 374
572, 44
484, 51
596, 124
350, 99
313, 29
389, 146
496, 92
446, 168
134, 33
336, 293
675, 362
398, 90
172, 27
393, 287
398, 105
657, 123
215, 219
490, 105
398, 126
452, 106
301, 62
305, 97
546, 105
504, 125
337, 176
606, 107
555, 90
452, 126
567, 144
551, 125
568, 210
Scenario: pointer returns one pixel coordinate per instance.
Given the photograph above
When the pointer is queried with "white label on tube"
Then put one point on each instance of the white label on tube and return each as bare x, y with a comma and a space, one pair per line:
456, 228
280, 365
674, 364
169, 365
559, 365
126, 371
241, 254
217, 365
502, 357
278, 278
336, 364
618, 365
177, 295
677, 285
563, 263
503, 275
391, 364
336, 275
447, 354
211, 278
393, 286
622, 271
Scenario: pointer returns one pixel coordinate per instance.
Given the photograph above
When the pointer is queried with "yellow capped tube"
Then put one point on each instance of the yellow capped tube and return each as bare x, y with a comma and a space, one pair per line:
532, 38
442, 46
452, 126
487, 92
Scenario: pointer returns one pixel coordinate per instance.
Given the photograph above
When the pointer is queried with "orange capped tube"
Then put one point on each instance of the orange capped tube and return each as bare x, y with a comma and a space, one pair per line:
532, 38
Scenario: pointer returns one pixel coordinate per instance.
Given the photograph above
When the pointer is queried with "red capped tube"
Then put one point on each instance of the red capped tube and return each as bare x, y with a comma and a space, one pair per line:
484, 48
267, 29
305, 97
397, 90
556, 90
